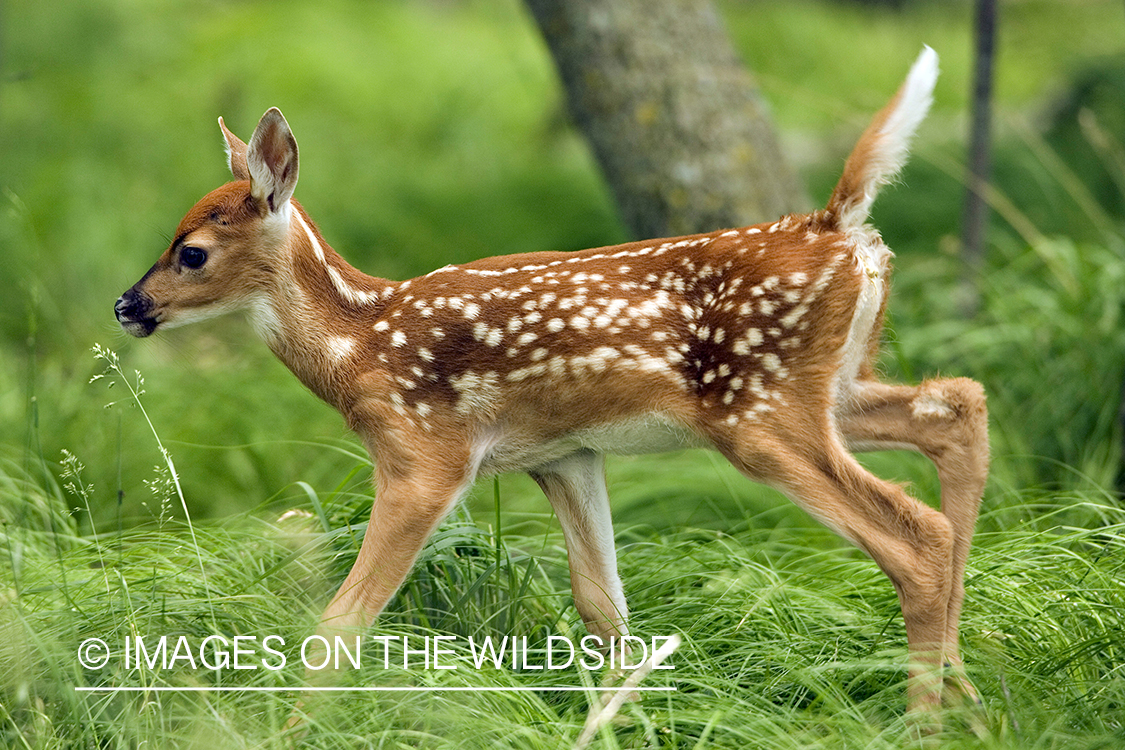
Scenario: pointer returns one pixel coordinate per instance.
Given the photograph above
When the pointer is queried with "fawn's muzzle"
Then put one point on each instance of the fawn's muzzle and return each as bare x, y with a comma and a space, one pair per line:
134, 313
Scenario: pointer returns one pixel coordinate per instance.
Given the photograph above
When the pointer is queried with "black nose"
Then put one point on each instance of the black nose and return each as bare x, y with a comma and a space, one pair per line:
134, 313
131, 305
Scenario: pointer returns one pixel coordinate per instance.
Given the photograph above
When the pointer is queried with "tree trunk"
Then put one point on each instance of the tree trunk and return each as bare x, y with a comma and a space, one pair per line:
975, 220
674, 118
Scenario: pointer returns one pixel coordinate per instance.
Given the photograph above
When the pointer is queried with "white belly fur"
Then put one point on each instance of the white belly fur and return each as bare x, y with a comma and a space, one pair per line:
653, 433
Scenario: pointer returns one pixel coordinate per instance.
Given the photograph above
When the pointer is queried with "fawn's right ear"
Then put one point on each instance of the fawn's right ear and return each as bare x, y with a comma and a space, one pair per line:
271, 158
236, 153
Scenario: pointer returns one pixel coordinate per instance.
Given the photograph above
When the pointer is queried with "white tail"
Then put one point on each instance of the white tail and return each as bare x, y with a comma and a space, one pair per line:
756, 342
884, 146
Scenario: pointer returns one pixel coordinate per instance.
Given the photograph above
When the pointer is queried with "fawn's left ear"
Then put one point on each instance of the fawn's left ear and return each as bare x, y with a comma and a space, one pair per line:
236, 153
271, 159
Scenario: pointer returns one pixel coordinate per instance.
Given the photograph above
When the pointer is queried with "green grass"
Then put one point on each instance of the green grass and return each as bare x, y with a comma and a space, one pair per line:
787, 642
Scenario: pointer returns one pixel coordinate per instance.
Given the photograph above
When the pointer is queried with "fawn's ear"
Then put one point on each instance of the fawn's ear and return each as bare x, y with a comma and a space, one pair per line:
271, 159
236, 153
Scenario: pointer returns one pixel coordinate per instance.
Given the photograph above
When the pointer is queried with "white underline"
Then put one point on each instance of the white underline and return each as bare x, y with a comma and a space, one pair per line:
197, 689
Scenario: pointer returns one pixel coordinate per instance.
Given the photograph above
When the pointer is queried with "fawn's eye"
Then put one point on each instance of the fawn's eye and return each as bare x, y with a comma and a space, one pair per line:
193, 257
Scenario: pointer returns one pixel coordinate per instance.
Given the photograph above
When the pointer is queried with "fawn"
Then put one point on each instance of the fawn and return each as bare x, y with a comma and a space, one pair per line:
756, 342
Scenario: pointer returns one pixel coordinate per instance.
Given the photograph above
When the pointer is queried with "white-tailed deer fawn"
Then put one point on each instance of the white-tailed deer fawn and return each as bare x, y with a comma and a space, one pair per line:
757, 342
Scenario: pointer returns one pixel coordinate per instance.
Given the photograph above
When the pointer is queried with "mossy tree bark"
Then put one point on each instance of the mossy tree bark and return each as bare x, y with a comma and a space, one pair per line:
674, 118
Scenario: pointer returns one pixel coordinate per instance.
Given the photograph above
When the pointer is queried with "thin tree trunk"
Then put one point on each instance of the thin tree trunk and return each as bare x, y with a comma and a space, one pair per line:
975, 220
673, 116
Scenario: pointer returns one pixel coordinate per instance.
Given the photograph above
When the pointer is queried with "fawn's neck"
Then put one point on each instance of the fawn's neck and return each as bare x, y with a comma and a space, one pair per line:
318, 311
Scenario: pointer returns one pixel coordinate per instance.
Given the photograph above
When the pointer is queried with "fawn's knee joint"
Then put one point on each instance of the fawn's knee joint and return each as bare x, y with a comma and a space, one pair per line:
932, 538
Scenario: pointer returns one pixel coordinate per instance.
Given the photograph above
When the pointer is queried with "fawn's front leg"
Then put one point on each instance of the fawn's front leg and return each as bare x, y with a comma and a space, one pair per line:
412, 496
409, 504
575, 485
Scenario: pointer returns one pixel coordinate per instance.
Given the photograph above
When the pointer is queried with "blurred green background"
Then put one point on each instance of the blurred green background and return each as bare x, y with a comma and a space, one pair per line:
434, 132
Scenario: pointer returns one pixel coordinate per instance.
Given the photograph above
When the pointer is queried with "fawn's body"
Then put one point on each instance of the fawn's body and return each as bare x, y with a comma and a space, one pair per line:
756, 342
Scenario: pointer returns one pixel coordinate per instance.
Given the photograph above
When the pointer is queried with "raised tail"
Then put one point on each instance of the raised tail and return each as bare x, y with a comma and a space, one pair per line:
884, 146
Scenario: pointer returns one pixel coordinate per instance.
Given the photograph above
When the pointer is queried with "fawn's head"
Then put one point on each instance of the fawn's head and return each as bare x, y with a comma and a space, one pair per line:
225, 250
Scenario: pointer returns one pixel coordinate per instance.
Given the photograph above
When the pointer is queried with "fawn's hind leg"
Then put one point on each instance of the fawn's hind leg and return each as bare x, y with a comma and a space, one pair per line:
947, 421
911, 542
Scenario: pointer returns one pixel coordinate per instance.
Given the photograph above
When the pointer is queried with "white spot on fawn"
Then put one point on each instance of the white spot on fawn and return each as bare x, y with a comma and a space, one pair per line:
773, 365
476, 393
339, 347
